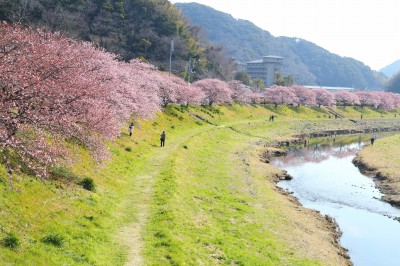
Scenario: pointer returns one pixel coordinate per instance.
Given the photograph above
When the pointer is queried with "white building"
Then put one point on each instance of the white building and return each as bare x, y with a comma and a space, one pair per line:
265, 68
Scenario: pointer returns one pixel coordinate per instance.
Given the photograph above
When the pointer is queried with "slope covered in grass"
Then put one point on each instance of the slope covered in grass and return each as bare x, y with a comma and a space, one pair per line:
383, 159
205, 198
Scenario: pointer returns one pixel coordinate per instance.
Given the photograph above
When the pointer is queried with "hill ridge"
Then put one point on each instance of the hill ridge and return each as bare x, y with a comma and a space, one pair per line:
308, 63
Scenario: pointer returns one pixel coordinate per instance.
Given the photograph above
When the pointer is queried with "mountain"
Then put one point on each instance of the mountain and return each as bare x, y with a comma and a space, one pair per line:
308, 63
392, 69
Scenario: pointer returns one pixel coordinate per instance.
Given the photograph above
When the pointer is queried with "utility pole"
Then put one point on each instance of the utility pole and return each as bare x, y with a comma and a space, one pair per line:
189, 70
170, 55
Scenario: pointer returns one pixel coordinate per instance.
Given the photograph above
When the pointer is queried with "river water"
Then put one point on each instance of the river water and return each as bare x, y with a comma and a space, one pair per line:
325, 179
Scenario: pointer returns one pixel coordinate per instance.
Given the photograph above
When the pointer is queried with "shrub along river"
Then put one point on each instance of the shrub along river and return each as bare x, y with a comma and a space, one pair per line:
325, 179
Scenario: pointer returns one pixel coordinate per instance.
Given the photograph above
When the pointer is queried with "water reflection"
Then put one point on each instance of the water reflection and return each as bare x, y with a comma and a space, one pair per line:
325, 179
318, 152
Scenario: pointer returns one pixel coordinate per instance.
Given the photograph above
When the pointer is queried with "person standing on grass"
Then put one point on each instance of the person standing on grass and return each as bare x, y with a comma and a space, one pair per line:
131, 127
372, 140
162, 139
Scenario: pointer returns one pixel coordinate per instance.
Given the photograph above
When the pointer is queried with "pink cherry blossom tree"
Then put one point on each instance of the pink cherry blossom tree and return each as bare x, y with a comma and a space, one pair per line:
280, 95
368, 98
54, 89
324, 97
304, 96
216, 91
346, 98
257, 97
387, 100
240, 93
396, 98
168, 88
132, 90
187, 94
50, 84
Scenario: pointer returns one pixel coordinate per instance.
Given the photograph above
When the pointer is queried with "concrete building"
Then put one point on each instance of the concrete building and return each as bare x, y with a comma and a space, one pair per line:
265, 68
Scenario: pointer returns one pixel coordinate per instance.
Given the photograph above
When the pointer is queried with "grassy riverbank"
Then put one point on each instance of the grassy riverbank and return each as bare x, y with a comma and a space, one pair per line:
383, 159
205, 198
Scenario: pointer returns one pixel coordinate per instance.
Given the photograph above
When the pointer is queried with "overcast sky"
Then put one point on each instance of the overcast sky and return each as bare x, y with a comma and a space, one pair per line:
366, 30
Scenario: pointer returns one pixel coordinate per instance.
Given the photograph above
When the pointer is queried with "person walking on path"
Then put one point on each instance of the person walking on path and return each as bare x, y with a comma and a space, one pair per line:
271, 118
162, 139
131, 127
372, 140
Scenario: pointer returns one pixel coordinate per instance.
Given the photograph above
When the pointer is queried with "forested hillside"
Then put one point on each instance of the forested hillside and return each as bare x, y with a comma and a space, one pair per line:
306, 62
133, 29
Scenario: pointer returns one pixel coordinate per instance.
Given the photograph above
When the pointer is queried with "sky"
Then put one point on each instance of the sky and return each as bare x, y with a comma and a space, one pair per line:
366, 30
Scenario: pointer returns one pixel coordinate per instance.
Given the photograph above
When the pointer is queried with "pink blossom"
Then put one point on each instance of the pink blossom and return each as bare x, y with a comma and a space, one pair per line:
304, 96
368, 98
347, 98
241, 93
324, 97
216, 91
387, 100
280, 95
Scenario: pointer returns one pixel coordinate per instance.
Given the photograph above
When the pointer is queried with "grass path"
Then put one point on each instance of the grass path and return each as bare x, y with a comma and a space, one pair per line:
143, 189
143, 192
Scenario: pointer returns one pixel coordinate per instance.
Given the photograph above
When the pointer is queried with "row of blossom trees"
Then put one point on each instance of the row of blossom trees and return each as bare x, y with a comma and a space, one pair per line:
226, 92
54, 89
298, 95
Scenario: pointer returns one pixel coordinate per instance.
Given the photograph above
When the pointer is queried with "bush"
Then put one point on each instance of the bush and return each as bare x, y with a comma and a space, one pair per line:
88, 184
53, 239
11, 241
128, 149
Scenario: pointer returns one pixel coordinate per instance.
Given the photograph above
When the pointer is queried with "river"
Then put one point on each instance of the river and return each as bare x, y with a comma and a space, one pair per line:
325, 179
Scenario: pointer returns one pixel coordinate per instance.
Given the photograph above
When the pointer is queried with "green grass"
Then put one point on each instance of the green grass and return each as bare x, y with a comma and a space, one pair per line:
384, 157
205, 212
205, 198
366, 112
